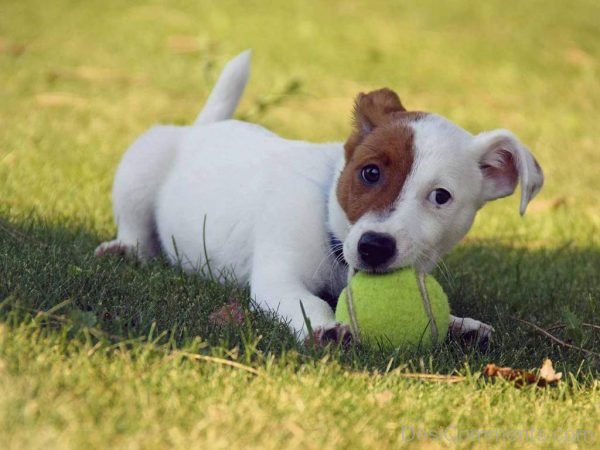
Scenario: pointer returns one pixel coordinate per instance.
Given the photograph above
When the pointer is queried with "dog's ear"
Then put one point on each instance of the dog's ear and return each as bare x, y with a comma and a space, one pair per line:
370, 111
503, 162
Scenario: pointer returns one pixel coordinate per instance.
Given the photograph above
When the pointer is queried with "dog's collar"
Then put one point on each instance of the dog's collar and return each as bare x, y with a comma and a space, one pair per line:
337, 249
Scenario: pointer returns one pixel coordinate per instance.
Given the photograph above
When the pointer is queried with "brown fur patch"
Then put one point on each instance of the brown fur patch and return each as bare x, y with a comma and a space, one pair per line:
382, 136
370, 111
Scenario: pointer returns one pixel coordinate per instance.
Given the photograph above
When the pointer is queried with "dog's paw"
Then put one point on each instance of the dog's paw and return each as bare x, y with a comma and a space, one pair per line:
116, 248
471, 332
336, 334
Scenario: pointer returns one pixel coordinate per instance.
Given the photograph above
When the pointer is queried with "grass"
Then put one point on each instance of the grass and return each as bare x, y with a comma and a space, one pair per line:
104, 353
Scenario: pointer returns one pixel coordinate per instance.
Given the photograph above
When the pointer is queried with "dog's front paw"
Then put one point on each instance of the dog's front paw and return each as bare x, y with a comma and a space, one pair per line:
336, 334
115, 247
471, 331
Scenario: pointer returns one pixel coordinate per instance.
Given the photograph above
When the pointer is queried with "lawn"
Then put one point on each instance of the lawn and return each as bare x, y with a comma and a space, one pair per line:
105, 353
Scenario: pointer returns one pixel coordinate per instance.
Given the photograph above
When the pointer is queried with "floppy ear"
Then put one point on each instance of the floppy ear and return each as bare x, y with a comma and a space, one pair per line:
370, 111
504, 161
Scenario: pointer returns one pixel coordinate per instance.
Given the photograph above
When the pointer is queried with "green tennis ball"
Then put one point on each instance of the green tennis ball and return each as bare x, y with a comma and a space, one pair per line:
389, 309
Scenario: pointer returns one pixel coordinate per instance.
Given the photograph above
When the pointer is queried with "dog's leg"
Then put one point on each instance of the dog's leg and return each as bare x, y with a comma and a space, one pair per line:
470, 329
138, 179
294, 304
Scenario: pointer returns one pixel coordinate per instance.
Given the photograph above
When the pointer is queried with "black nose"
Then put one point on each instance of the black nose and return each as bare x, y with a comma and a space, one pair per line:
375, 249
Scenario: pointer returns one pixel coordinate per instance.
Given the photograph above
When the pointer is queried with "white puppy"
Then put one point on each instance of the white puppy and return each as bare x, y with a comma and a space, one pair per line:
288, 216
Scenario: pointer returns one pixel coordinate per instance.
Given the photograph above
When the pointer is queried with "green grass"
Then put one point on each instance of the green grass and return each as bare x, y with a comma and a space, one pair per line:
100, 353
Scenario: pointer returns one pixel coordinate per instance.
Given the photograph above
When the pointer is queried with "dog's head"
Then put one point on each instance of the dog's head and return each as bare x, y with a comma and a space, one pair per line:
412, 183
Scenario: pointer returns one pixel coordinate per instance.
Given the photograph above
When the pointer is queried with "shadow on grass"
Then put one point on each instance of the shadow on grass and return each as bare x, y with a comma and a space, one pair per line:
44, 265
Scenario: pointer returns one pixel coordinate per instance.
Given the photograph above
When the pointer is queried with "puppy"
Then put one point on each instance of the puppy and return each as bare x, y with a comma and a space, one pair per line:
289, 217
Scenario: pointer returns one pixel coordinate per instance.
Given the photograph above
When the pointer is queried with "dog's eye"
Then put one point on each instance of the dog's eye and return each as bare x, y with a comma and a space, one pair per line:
439, 196
370, 174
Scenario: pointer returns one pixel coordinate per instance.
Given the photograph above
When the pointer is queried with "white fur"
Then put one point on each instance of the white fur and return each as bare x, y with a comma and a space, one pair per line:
266, 205
226, 94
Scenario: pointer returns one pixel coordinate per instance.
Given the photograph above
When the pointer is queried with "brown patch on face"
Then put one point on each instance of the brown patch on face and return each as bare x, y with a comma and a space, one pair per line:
382, 137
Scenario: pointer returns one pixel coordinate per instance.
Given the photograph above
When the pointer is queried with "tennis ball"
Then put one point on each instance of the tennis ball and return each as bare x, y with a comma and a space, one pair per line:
389, 308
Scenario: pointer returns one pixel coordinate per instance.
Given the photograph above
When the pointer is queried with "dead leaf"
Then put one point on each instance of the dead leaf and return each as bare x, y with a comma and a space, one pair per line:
548, 373
518, 376
544, 376
231, 314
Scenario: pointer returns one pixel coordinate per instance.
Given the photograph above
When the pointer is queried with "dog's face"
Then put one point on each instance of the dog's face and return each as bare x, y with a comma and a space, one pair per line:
413, 182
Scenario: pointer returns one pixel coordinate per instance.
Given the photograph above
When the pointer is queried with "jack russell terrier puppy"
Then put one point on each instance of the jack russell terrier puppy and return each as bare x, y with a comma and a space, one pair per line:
289, 217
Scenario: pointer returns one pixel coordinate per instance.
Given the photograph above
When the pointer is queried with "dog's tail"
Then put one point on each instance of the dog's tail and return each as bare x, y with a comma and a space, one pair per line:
228, 90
